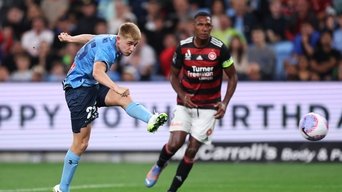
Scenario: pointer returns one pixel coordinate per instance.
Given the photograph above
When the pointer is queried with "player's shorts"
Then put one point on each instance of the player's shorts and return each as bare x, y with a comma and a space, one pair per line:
199, 123
83, 103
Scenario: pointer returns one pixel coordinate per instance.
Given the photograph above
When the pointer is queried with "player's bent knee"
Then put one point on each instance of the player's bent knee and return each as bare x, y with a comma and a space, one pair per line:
84, 146
80, 148
173, 147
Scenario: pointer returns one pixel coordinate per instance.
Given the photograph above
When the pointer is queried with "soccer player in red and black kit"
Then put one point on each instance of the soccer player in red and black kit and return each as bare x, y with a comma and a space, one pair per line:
196, 76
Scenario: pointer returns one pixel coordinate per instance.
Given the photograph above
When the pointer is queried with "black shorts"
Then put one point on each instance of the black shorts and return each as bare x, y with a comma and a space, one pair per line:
83, 103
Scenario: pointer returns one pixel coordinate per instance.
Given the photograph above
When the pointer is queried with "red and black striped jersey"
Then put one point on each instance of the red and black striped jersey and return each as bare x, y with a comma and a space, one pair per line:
202, 70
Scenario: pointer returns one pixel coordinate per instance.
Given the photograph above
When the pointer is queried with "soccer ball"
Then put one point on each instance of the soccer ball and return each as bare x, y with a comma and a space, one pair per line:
313, 126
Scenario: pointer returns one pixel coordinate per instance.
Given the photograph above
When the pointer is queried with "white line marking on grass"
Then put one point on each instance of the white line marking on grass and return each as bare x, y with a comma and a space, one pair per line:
100, 186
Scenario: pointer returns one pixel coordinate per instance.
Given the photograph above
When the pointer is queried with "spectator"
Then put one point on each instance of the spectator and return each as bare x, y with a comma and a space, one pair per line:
306, 41
254, 72
129, 73
122, 13
243, 21
68, 54
304, 70
226, 31
9, 60
165, 58
325, 58
339, 71
101, 27
15, 18
38, 33
337, 35
238, 50
114, 73
182, 9
322, 10
88, 19
4, 74
337, 4
275, 24
63, 24
292, 27
138, 8
155, 26
261, 54
38, 74
184, 29
302, 15
23, 72
298, 69
329, 23
288, 8
45, 56
34, 11
53, 10
57, 72
217, 9
260, 9
6, 41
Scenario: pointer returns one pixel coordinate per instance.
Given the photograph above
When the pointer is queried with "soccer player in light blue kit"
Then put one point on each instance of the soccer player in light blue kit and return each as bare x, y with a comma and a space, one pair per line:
87, 87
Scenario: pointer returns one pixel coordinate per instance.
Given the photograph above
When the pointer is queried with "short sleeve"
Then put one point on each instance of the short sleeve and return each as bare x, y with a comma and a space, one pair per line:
103, 56
177, 58
226, 58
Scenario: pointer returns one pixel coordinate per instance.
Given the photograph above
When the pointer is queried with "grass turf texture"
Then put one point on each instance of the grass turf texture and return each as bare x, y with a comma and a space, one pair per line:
205, 177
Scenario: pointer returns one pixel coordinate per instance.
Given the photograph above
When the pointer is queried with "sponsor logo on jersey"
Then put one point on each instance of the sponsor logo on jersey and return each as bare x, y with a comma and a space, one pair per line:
212, 55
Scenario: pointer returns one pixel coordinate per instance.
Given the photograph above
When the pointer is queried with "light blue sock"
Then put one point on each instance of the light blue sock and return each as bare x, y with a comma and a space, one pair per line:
69, 168
138, 111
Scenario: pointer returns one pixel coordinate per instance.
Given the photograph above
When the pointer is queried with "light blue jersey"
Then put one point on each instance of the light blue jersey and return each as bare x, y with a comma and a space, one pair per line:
100, 48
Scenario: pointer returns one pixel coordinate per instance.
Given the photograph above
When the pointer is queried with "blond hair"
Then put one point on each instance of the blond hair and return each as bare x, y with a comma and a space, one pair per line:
130, 30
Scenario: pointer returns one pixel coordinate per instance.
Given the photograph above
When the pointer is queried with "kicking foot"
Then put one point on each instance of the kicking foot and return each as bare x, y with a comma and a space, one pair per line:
156, 121
153, 175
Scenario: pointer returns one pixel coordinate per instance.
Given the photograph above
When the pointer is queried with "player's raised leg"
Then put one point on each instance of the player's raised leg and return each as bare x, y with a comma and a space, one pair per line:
108, 97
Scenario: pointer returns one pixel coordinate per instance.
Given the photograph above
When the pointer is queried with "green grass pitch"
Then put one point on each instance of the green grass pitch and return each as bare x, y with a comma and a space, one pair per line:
205, 177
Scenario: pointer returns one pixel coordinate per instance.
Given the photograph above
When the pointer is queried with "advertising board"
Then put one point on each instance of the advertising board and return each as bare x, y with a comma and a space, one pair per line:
35, 117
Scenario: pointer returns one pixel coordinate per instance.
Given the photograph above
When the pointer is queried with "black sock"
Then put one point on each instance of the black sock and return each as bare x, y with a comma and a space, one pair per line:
164, 156
183, 171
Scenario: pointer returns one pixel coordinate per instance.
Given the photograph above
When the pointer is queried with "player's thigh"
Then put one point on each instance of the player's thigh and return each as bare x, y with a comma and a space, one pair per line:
176, 140
203, 125
81, 140
83, 136
181, 120
107, 97
82, 105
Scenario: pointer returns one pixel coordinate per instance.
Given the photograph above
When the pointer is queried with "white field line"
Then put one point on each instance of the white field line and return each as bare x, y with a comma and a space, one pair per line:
100, 186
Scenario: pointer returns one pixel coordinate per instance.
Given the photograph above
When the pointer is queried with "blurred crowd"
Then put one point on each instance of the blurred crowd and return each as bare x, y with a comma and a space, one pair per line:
270, 40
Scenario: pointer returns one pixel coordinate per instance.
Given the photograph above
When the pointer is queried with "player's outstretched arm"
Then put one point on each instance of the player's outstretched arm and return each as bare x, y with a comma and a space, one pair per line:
83, 38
